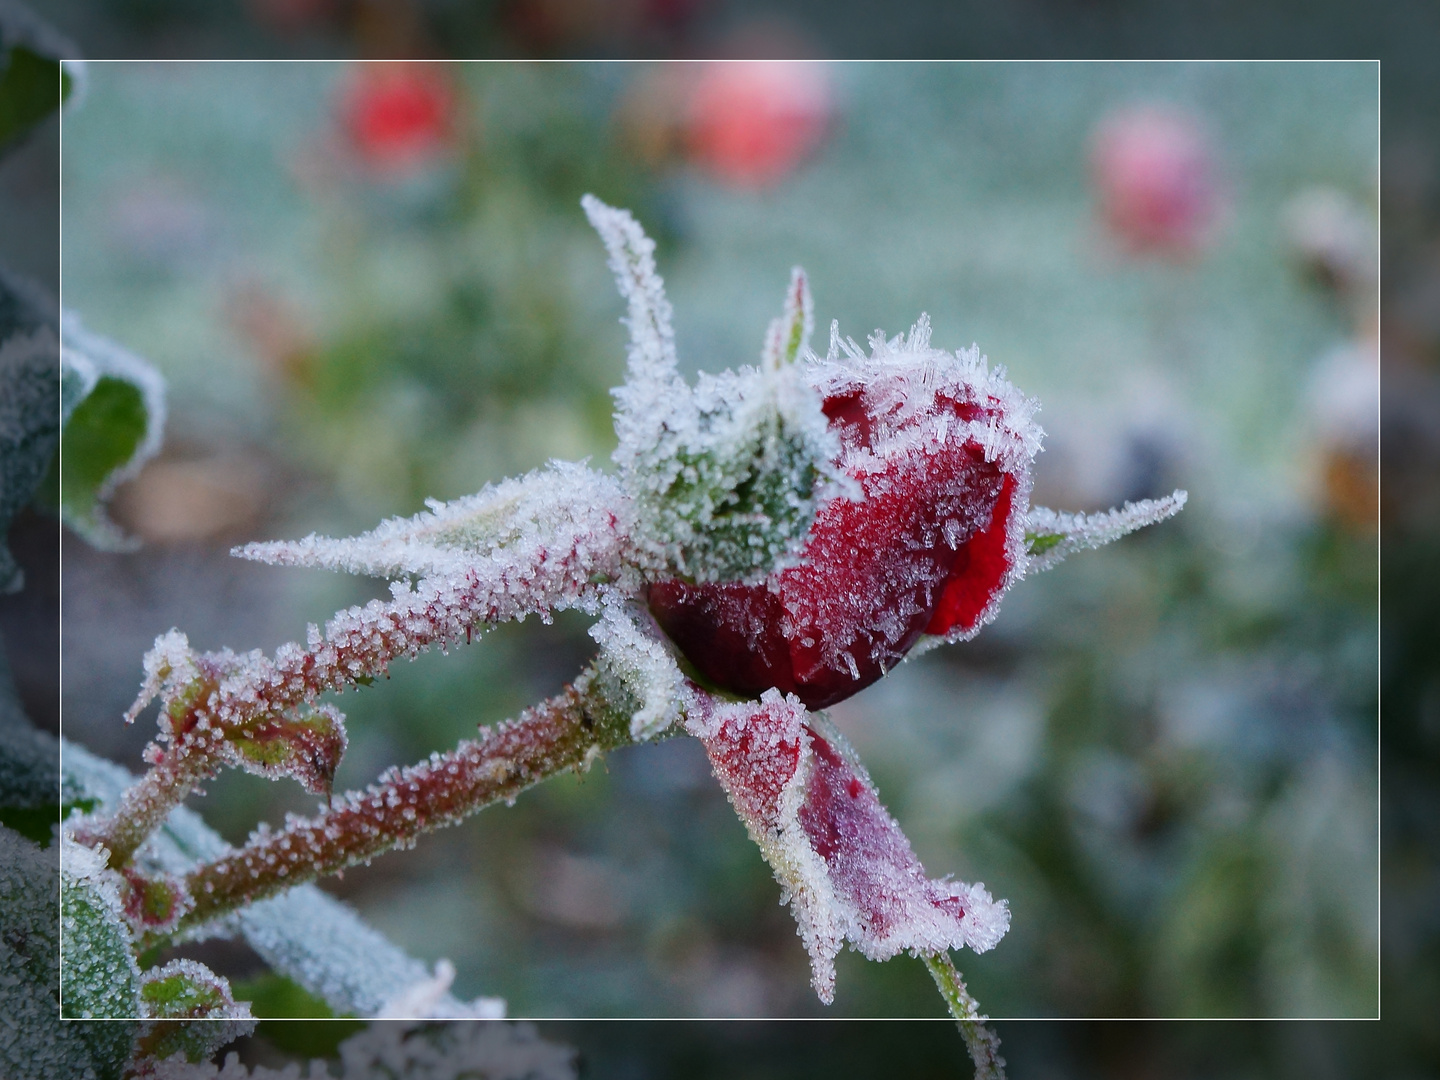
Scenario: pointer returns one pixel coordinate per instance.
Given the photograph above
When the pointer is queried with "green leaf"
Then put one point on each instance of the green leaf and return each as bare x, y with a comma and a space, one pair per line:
32, 822
31, 88
274, 996
187, 990
34, 1040
112, 407
102, 436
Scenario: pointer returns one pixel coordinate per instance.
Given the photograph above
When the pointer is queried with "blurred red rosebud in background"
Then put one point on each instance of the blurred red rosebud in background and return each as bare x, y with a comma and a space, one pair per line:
750, 123
398, 117
1155, 173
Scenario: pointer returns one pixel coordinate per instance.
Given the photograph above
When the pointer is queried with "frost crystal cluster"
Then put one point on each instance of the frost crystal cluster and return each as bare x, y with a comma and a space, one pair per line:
772, 540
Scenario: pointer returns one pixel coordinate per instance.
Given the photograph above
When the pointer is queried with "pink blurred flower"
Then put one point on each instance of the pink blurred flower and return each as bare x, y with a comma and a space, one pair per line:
398, 117
750, 123
1155, 173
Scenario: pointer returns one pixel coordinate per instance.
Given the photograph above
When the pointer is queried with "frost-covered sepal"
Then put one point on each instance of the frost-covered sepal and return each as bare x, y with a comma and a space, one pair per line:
844, 866
302, 740
726, 477
634, 653
564, 511
306, 746
1051, 535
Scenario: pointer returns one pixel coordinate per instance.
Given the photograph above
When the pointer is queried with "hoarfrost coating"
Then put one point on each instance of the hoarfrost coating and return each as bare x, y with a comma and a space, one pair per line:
774, 539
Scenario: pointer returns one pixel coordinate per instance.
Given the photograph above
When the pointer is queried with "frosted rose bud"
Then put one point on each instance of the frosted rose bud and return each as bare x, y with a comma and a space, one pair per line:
398, 117
1156, 178
941, 449
750, 123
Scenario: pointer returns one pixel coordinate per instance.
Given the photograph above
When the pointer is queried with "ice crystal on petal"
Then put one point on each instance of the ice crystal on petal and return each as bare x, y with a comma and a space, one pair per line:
1052, 534
635, 653
937, 448
843, 864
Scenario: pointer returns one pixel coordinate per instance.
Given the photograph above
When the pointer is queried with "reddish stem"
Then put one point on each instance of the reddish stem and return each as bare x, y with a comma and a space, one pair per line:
358, 643
568, 731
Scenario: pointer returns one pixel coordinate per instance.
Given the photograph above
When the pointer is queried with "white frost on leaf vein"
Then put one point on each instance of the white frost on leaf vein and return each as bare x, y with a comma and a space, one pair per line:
844, 867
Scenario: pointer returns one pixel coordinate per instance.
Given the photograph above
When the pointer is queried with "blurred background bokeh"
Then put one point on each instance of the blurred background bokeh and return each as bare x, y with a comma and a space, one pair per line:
371, 283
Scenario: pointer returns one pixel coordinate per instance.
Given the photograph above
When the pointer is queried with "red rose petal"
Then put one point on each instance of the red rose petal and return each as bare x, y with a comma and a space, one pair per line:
978, 573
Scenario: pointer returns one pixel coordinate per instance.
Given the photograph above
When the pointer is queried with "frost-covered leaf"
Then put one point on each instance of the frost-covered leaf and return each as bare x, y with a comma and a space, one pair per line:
844, 867
113, 411
29, 386
304, 934
188, 990
99, 978
1051, 535
464, 1050
329, 951
29, 769
726, 477
34, 1040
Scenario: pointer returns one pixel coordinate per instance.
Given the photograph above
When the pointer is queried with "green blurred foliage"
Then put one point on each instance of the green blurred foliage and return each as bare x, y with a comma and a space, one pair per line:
32, 86
1163, 754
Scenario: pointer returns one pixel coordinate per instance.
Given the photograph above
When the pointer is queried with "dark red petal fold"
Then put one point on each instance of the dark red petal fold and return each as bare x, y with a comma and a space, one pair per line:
980, 572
